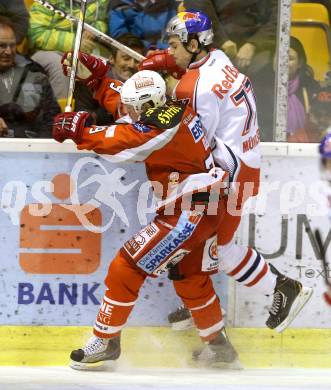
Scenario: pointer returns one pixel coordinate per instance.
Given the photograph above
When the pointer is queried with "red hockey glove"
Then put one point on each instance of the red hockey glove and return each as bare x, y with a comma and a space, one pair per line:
90, 69
70, 125
327, 296
162, 60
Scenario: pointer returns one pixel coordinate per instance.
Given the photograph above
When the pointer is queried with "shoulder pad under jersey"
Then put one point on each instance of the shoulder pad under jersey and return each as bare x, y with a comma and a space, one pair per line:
164, 117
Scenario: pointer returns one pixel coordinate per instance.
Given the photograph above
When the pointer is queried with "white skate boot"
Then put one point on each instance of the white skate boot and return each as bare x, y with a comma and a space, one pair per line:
95, 353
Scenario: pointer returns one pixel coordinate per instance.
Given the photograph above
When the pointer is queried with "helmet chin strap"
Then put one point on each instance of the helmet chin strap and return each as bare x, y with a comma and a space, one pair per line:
194, 54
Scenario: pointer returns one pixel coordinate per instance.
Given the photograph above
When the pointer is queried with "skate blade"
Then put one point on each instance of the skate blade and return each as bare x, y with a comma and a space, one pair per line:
106, 365
235, 365
182, 325
298, 304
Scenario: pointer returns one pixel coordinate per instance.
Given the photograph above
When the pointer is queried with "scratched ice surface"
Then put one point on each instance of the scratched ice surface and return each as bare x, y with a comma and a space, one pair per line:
125, 378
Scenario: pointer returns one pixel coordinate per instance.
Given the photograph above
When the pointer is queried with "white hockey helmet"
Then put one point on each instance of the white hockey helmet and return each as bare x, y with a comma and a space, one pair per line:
145, 86
191, 22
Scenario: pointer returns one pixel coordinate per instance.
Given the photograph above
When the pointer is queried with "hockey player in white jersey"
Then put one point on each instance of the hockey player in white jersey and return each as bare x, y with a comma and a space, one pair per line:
225, 102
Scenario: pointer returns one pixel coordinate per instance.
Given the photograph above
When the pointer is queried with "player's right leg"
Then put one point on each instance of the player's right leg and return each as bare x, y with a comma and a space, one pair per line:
123, 282
249, 268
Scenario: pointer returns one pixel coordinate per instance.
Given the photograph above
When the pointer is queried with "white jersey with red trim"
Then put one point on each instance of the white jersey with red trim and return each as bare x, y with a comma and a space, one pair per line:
225, 102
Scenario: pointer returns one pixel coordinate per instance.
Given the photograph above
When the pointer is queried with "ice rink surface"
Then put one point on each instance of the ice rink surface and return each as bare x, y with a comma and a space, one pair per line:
62, 378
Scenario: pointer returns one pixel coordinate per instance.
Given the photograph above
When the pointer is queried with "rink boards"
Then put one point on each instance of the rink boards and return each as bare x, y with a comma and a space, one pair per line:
48, 303
162, 347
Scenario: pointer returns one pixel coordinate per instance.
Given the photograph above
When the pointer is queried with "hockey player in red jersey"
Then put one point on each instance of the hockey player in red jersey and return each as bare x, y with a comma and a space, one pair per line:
156, 136
225, 102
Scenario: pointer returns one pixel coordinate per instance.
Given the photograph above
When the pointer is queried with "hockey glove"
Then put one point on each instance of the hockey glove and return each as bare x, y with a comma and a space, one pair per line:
70, 125
162, 60
90, 69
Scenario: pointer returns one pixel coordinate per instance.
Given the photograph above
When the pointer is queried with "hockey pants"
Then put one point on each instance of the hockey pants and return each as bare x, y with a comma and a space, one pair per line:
128, 271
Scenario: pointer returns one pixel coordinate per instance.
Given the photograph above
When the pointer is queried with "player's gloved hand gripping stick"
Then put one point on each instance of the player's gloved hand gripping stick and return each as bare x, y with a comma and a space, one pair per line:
70, 124
90, 69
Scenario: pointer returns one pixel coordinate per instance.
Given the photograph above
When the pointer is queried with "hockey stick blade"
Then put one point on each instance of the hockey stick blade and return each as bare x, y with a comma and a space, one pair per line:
325, 264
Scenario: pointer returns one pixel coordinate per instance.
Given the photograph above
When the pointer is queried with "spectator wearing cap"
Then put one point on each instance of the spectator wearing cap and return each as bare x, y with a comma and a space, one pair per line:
16, 11
27, 103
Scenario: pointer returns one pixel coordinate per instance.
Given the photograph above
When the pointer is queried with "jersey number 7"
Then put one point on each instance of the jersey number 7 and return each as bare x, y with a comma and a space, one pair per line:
245, 94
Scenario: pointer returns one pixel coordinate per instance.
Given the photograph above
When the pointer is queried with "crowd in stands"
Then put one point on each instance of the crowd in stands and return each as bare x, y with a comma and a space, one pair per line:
27, 102
32, 83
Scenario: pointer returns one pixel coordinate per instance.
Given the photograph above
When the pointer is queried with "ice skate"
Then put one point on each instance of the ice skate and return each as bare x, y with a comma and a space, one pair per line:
218, 353
290, 296
180, 319
96, 353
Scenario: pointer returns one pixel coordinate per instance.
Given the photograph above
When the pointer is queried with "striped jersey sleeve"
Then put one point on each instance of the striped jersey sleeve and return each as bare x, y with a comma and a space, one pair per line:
126, 142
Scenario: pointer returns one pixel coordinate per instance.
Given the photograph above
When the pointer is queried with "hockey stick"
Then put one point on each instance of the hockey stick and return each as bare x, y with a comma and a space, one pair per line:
325, 264
99, 36
74, 59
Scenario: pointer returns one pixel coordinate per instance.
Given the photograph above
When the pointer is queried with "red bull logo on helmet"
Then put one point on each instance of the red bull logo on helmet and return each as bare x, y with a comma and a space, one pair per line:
183, 16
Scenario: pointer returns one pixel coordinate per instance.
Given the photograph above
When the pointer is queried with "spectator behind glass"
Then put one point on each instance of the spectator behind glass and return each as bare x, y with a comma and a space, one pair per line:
50, 35
320, 112
147, 19
244, 29
27, 103
16, 11
301, 88
122, 68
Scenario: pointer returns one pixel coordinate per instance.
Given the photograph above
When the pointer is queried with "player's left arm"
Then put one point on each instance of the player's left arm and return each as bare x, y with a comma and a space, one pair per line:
93, 72
208, 107
123, 142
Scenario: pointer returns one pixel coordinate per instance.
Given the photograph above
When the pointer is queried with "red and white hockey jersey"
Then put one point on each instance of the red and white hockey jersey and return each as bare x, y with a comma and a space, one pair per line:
225, 102
171, 142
